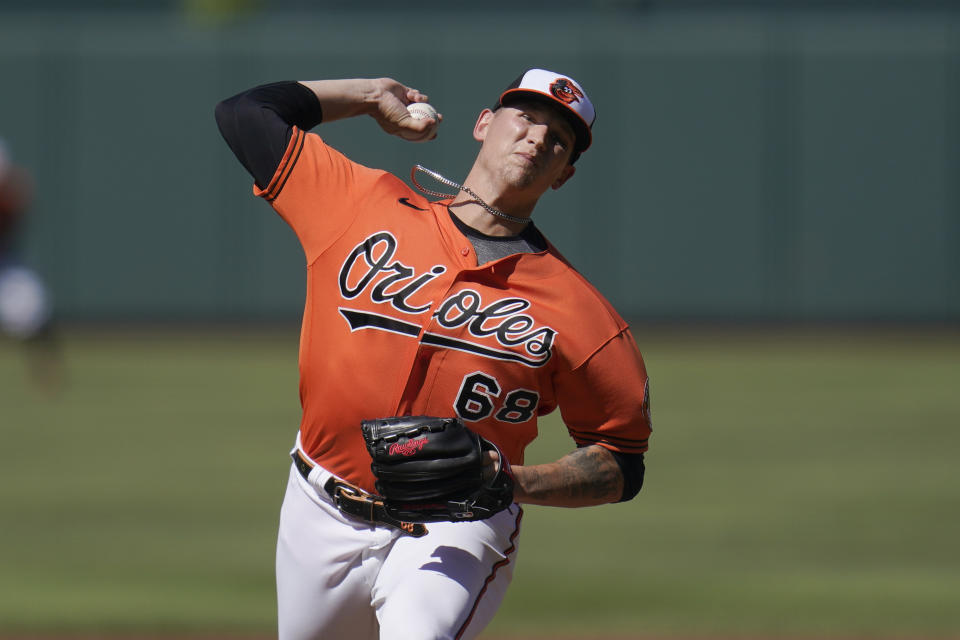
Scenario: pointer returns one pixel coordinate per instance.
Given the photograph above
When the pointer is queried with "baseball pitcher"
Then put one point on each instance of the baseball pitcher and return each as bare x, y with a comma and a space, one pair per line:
436, 332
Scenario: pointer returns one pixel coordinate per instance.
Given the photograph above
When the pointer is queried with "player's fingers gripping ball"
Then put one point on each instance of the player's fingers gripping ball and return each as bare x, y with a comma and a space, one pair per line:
432, 469
422, 111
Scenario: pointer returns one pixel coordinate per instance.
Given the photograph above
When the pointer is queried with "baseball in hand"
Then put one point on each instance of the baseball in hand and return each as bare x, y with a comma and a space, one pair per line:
422, 111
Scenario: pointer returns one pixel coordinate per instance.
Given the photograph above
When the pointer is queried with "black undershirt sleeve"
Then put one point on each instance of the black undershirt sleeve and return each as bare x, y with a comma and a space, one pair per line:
257, 124
631, 464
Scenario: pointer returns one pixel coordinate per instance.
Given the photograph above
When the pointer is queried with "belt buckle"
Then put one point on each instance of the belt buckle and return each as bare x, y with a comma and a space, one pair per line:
343, 493
355, 495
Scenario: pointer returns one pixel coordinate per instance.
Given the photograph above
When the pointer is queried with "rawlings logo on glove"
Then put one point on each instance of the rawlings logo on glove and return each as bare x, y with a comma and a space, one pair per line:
430, 469
408, 448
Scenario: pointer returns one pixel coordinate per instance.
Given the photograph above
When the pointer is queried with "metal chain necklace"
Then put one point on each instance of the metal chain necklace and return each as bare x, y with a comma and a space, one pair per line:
450, 183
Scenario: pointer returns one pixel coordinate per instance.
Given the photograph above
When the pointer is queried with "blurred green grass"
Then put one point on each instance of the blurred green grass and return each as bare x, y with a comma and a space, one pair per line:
799, 484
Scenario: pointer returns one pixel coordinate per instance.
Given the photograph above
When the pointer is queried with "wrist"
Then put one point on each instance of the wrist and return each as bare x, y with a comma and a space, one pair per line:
520, 480
370, 94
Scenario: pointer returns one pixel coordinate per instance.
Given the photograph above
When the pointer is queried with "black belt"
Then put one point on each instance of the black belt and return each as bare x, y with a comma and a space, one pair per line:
354, 501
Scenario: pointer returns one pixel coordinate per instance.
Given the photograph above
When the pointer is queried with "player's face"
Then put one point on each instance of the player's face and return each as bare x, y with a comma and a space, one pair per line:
528, 145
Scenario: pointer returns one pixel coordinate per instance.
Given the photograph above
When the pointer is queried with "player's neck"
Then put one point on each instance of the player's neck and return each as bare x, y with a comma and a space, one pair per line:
466, 208
507, 201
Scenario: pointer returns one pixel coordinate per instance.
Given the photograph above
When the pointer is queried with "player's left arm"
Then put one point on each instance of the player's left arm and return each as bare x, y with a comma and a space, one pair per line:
605, 404
585, 477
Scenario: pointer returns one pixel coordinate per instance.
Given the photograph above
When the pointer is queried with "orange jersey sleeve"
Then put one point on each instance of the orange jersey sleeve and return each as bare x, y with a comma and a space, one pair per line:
606, 399
322, 196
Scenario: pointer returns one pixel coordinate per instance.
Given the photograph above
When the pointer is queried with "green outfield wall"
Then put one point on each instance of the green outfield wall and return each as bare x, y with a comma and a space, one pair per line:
748, 165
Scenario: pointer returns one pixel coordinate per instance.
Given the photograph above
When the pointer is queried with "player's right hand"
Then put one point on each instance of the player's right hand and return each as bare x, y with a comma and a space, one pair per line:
391, 100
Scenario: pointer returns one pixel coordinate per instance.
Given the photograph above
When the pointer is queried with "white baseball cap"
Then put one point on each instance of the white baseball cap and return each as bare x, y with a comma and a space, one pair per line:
560, 90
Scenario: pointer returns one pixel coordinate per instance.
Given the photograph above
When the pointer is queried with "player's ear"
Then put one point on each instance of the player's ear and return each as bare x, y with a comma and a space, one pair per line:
483, 122
567, 173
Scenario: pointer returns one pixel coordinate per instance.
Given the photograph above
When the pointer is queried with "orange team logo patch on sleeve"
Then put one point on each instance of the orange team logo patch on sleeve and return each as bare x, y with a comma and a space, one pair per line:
565, 92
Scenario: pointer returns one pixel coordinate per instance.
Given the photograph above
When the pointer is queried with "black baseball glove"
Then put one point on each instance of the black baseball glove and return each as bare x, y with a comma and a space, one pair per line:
431, 469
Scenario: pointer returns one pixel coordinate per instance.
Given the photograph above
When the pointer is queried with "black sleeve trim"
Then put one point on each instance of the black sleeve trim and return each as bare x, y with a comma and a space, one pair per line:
286, 166
257, 124
632, 467
630, 445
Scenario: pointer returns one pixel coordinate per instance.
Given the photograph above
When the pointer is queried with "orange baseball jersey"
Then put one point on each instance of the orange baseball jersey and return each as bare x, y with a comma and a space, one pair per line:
400, 320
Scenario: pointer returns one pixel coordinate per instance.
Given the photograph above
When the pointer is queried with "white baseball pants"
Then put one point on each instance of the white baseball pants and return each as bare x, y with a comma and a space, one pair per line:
342, 579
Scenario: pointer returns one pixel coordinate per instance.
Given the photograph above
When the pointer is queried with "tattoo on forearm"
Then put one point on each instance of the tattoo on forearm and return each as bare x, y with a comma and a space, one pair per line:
589, 475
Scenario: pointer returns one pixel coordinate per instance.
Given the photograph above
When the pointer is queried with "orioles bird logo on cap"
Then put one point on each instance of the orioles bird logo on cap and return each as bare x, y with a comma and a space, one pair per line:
564, 91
